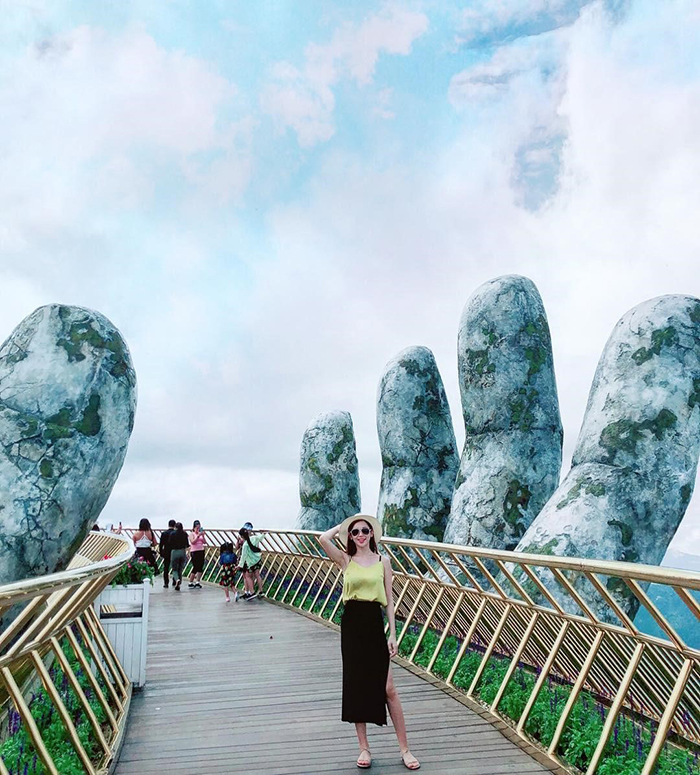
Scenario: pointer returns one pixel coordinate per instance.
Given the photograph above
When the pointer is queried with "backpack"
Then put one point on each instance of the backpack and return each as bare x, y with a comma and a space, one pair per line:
226, 554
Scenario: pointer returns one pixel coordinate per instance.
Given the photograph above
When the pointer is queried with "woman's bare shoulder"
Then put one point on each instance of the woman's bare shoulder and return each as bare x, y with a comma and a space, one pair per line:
386, 561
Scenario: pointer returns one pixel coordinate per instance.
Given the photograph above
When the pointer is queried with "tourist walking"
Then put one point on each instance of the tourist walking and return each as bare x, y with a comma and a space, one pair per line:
144, 541
227, 561
179, 544
198, 541
368, 685
251, 561
164, 550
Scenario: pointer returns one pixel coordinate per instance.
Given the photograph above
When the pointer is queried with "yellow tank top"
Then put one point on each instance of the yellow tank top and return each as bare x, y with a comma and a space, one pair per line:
360, 583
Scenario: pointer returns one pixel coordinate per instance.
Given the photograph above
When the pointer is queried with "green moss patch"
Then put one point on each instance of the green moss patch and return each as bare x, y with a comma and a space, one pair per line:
515, 505
662, 337
624, 435
583, 485
81, 334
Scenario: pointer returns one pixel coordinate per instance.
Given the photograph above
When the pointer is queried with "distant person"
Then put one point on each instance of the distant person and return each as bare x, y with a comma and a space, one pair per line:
179, 544
144, 541
164, 551
96, 527
119, 530
198, 540
227, 561
251, 560
368, 686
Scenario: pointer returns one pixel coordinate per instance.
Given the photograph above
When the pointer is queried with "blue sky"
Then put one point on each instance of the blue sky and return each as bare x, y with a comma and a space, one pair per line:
272, 199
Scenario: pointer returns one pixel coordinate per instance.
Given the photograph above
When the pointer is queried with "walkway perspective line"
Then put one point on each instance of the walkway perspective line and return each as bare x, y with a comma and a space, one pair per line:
250, 687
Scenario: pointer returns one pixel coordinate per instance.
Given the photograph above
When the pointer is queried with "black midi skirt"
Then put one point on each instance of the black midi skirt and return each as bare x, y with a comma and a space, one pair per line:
365, 663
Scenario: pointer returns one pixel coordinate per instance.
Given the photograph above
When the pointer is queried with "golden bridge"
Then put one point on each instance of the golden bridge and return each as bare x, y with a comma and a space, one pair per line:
505, 666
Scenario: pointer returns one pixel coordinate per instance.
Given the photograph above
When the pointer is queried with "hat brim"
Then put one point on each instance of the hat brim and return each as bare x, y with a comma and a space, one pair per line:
345, 526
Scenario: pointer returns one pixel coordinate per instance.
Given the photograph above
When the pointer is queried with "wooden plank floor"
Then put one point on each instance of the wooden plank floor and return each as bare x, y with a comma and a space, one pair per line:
250, 687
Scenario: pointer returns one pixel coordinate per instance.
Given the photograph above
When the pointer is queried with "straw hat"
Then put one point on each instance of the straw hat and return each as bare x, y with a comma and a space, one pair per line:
373, 522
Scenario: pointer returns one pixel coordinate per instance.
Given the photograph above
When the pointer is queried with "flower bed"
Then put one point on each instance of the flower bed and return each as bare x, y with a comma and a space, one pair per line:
136, 571
17, 751
629, 744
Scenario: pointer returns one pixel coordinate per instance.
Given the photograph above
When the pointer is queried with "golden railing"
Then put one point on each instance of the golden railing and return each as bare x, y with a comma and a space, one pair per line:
54, 650
533, 617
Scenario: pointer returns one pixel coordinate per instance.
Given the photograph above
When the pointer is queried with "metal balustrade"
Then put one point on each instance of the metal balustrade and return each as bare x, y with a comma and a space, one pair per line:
54, 654
527, 613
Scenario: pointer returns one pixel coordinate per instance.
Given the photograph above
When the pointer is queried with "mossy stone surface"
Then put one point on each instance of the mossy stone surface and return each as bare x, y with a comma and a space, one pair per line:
418, 447
329, 484
636, 458
511, 459
67, 404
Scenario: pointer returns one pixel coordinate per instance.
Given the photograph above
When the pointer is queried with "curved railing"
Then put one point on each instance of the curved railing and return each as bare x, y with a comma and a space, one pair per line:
526, 638
64, 697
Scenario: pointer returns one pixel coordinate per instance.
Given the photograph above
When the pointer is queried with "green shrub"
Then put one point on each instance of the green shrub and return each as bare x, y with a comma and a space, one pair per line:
17, 751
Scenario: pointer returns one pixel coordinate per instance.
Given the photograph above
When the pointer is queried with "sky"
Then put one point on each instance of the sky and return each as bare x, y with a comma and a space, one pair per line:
270, 200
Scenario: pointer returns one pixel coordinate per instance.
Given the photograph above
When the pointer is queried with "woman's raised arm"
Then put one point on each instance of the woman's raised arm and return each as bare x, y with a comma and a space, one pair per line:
326, 539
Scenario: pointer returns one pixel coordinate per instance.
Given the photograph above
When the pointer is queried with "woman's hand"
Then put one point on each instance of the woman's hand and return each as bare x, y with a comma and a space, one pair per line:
393, 648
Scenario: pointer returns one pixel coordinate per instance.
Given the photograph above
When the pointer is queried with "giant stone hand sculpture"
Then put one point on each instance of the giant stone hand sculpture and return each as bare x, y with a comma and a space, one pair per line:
634, 466
417, 442
329, 484
67, 403
513, 434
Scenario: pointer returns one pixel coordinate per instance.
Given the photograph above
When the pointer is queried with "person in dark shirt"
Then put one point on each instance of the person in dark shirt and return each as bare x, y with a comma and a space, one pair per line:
178, 542
164, 551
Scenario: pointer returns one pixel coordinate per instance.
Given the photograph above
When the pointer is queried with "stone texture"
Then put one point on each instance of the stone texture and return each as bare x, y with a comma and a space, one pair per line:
635, 461
67, 403
419, 451
329, 483
513, 436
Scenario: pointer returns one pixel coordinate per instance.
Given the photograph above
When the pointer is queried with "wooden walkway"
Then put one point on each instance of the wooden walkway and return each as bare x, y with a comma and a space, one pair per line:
253, 688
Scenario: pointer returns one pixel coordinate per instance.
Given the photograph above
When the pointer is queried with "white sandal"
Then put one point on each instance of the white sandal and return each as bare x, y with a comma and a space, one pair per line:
364, 765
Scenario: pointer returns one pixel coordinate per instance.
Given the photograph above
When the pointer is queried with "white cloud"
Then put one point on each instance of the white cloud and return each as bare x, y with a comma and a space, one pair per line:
382, 108
377, 259
91, 119
218, 496
303, 98
525, 67
378, 252
488, 20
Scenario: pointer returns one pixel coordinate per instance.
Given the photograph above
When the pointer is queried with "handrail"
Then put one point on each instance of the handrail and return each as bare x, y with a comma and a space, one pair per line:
546, 620
53, 647
18, 591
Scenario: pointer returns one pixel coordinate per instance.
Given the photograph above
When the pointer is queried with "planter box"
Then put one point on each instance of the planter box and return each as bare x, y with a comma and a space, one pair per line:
123, 614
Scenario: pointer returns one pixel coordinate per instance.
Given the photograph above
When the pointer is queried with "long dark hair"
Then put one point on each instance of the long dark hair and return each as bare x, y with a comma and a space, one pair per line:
145, 526
243, 532
351, 548
179, 529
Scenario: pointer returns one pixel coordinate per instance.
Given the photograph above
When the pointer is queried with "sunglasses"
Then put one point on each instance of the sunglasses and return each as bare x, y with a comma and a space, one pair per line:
357, 530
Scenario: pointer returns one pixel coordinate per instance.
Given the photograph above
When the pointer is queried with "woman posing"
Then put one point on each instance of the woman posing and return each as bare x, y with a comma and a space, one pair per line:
198, 541
144, 541
368, 686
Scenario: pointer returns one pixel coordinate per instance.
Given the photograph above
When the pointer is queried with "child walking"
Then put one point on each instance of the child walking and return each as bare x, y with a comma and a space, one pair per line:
227, 561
